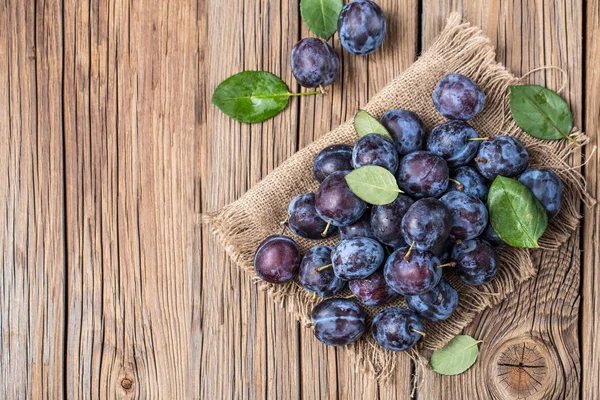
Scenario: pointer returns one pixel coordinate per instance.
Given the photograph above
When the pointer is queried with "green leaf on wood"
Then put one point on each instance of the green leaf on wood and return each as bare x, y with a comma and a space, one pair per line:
365, 123
541, 112
516, 214
251, 96
455, 357
373, 184
321, 16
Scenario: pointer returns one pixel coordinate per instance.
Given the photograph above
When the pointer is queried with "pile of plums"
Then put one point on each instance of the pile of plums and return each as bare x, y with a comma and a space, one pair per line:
439, 224
361, 30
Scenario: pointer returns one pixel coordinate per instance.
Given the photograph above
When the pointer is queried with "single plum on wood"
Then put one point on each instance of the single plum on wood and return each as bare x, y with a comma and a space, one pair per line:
361, 27
314, 63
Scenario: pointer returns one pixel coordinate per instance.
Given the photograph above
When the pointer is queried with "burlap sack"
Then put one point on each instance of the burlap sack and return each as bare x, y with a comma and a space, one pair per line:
460, 48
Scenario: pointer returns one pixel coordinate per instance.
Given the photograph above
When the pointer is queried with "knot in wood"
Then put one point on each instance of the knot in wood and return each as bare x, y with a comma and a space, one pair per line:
126, 384
523, 367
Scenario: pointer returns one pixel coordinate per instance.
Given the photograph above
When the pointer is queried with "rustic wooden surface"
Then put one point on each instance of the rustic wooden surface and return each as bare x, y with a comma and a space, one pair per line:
110, 149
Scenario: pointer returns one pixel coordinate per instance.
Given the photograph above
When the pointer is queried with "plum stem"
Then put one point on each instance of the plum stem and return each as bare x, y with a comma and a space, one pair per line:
458, 241
324, 233
314, 295
349, 297
407, 255
479, 138
286, 220
321, 89
324, 267
417, 331
460, 187
481, 160
304, 93
450, 264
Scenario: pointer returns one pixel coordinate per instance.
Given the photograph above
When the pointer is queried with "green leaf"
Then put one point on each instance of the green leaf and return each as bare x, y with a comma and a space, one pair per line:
365, 123
541, 112
456, 357
516, 214
373, 184
251, 96
321, 16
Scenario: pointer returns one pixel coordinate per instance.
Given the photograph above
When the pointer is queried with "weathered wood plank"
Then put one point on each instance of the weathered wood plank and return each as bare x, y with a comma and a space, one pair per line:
129, 95
543, 315
32, 234
590, 311
250, 345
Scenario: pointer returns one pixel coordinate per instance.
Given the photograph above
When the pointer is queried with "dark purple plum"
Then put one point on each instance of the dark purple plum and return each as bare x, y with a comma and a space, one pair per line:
406, 128
454, 142
415, 274
357, 258
303, 219
314, 63
490, 236
373, 291
443, 251
361, 228
386, 221
324, 282
277, 259
426, 223
423, 174
475, 261
337, 157
374, 149
470, 182
469, 215
397, 328
436, 305
458, 97
546, 186
336, 203
502, 155
361, 27
338, 322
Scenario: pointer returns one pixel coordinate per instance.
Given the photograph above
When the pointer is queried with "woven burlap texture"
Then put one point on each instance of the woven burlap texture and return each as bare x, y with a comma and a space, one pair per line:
460, 48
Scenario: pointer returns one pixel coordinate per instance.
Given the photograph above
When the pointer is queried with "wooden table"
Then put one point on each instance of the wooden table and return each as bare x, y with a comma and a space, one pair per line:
110, 150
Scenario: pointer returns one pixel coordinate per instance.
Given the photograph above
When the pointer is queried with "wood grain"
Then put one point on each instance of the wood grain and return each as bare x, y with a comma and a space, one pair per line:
130, 123
110, 149
590, 311
32, 220
543, 314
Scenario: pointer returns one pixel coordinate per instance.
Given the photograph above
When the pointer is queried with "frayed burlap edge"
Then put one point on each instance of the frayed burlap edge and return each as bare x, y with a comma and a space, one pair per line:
461, 48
